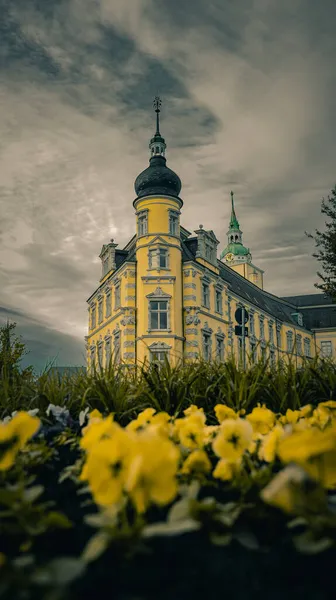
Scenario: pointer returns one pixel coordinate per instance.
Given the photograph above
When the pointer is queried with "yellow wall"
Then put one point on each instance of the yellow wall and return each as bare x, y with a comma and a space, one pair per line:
165, 281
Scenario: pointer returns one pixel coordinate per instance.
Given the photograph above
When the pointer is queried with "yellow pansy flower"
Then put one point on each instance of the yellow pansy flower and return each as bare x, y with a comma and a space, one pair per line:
225, 469
195, 410
262, 419
268, 447
96, 431
197, 462
223, 412
190, 431
106, 467
291, 416
14, 435
210, 432
281, 491
233, 439
314, 450
143, 419
152, 473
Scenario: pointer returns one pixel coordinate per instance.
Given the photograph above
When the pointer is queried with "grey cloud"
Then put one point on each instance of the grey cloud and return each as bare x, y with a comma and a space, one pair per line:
247, 104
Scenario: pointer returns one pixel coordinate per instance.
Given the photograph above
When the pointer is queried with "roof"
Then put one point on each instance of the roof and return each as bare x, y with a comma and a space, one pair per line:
318, 310
274, 306
309, 300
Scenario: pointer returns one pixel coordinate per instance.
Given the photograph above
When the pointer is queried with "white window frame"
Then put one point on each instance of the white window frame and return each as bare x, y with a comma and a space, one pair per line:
218, 301
117, 295
108, 303
108, 350
173, 222
326, 344
100, 311
158, 311
93, 317
205, 294
143, 222
290, 341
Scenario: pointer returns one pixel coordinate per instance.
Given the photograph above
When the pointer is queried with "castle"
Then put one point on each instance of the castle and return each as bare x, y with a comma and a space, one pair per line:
167, 294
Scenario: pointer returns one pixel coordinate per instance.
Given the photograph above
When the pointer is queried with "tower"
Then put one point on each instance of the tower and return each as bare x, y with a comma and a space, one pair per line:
159, 256
236, 255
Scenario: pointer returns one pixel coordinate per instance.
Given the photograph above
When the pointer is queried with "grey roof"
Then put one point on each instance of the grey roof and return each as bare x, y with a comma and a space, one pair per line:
318, 310
274, 306
309, 300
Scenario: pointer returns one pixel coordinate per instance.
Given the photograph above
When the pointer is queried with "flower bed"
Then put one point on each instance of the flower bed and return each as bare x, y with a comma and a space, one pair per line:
238, 503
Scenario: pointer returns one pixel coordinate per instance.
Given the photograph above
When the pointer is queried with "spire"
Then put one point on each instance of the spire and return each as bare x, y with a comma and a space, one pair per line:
235, 250
157, 144
233, 221
157, 103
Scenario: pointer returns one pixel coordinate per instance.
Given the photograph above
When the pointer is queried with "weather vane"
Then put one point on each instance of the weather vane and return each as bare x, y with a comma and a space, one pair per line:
157, 103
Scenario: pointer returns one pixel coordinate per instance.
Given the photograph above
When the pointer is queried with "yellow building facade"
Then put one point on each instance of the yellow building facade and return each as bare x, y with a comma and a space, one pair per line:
167, 294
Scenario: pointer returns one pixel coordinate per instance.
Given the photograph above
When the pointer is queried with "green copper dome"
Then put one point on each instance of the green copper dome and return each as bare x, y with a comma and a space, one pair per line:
235, 248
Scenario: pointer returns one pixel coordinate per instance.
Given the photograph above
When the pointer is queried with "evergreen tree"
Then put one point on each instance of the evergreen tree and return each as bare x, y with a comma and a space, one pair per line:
11, 352
326, 244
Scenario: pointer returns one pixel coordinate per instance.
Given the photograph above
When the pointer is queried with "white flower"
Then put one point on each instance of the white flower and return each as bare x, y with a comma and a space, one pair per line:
82, 415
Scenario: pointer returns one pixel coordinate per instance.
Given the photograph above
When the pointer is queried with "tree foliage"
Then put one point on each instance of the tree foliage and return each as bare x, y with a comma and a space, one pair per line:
325, 242
11, 352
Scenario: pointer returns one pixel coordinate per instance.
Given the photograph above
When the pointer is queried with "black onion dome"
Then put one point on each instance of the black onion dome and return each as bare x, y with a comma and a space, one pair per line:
157, 179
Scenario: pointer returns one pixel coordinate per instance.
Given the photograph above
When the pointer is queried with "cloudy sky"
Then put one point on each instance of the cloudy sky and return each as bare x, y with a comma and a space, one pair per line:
248, 90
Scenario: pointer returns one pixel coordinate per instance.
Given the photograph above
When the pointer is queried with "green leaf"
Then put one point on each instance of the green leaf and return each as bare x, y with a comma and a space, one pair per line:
23, 561
8, 496
95, 546
179, 511
247, 539
168, 529
96, 520
57, 519
31, 494
220, 539
306, 544
60, 571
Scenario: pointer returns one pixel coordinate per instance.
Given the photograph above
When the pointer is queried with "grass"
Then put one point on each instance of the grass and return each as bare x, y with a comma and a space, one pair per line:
126, 391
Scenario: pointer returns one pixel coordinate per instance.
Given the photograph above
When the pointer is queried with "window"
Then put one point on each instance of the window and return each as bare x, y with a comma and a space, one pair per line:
158, 312
92, 358
272, 357
152, 258
307, 347
173, 223
117, 296
143, 223
219, 305
93, 317
205, 295
163, 258
116, 343
100, 311
326, 348
262, 330
158, 356
100, 354
263, 354
278, 336
289, 336
219, 349
206, 346
107, 352
252, 330
271, 332
298, 344
108, 306
253, 352
300, 319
